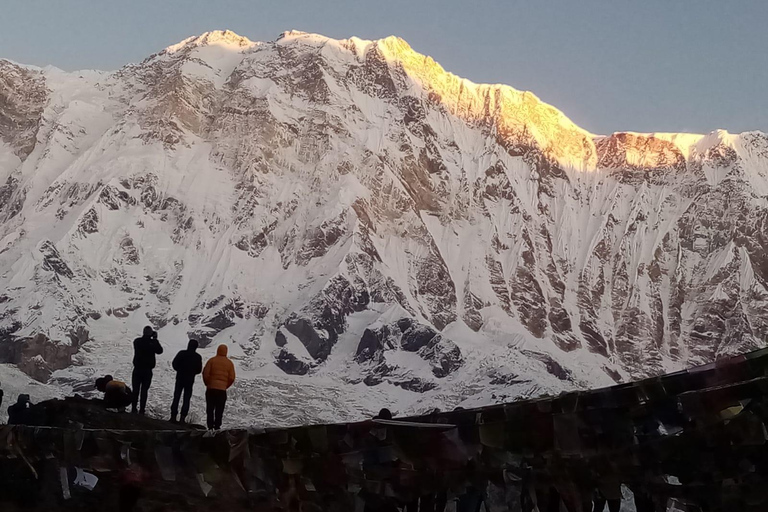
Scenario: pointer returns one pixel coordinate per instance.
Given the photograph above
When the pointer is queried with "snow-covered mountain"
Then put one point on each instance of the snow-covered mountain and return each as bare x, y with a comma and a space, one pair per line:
364, 229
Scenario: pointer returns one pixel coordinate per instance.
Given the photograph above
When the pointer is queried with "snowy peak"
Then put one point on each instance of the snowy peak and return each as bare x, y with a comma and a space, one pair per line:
391, 67
324, 72
211, 56
639, 152
669, 154
519, 118
225, 38
288, 34
349, 212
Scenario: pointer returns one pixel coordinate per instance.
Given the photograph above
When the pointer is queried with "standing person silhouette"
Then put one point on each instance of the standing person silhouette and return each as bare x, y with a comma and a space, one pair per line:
188, 365
218, 376
144, 351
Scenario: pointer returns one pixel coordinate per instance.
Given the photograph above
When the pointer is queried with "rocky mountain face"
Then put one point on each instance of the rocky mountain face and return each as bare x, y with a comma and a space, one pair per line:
348, 210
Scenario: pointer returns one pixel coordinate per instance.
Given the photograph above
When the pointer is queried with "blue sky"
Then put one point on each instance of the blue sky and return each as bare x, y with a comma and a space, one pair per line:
610, 65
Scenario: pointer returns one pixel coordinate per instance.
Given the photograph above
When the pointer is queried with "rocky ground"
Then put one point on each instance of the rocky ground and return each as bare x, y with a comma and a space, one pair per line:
78, 412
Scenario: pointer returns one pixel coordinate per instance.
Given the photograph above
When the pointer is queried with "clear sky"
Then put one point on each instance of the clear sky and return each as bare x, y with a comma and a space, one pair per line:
610, 65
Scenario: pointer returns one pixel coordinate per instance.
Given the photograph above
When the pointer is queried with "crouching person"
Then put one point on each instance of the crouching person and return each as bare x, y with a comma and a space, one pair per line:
117, 394
218, 376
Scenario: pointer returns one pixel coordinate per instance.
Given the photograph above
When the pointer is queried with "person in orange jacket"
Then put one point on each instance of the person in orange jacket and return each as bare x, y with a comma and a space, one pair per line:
218, 376
117, 394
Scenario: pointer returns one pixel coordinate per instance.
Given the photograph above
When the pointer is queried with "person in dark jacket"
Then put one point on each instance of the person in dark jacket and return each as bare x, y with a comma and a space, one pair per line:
1, 397
117, 394
188, 365
144, 351
18, 412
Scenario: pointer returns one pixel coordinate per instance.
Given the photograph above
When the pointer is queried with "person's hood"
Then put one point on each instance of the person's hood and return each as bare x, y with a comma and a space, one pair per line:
222, 350
192, 345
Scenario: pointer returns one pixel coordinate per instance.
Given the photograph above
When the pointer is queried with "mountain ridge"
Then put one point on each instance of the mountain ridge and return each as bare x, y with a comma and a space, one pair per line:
347, 214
